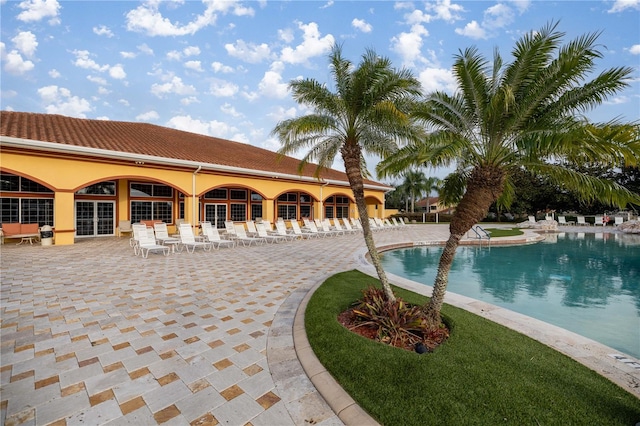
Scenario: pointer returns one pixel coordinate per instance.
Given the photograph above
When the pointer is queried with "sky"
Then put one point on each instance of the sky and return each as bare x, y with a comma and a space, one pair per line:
222, 68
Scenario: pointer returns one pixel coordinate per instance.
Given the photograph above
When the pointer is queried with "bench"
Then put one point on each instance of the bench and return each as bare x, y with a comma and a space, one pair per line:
27, 232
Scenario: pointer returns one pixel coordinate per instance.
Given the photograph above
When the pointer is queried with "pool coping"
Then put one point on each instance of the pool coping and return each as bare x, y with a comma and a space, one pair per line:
619, 368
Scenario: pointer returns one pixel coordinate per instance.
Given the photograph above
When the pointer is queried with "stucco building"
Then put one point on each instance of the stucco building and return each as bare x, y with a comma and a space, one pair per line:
83, 176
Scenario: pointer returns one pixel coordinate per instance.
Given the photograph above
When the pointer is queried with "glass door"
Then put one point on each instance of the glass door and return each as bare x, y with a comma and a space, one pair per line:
216, 214
95, 218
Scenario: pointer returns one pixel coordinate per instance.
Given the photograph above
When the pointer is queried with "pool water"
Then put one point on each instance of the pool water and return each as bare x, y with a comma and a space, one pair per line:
583, 282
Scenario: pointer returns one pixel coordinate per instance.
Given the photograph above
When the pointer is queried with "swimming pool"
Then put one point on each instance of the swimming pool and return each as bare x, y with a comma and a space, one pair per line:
584, 282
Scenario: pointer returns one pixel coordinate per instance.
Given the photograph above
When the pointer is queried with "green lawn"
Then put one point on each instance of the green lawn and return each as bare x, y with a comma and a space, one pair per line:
485, 374
502, 232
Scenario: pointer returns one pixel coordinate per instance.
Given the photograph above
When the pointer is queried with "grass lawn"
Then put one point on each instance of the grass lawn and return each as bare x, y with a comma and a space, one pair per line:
501, 232
485, 374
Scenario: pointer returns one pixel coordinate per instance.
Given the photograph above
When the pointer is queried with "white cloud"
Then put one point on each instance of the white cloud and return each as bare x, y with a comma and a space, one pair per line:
498, 16
312, 45
26, 43
250, 96
60, 101
128, 55
189, 100
223, 88
194, 65
191, 51
148, 116
84, 61
521, 5
36, 10
621, 5
433, 79
117, 72
286, 35
210, 128
361, 25
248, 52
445, 11
145, 49
54, 73
174, 55
98, 80
280, 113
14, 63
635, 49
220, 67
617, 100
409, 45
103, 30
271, 84
327, 4
147, 18
229, 109
175, 86
473, 30
103, 91
123, 102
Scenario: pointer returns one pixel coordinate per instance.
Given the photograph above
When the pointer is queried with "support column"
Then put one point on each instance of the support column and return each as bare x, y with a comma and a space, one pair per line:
318, 210
191, 206
123, 200
64, 217
268, 210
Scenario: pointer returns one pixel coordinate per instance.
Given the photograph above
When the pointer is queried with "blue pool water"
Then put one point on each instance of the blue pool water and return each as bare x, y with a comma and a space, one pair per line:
585, 283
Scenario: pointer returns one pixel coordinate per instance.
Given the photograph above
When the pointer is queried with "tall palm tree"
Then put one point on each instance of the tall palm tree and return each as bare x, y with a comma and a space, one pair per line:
433, 184
416, 184
367, 113
527, 115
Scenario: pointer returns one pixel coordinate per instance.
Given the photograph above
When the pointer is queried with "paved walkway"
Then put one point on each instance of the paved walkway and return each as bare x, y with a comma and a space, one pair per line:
91, 334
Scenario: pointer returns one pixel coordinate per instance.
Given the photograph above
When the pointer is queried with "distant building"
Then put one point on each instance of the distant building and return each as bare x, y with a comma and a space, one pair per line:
84, 176
434, 206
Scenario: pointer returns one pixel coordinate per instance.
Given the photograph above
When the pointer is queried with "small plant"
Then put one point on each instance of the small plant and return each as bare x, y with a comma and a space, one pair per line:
395, 323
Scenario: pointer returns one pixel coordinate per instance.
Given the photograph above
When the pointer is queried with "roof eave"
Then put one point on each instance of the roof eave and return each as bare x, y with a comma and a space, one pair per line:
128, 156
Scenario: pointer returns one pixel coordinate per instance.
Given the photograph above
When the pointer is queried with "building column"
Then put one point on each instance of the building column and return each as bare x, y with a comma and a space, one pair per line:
64, 217
123, 200
318, 210
268, 210
191, 206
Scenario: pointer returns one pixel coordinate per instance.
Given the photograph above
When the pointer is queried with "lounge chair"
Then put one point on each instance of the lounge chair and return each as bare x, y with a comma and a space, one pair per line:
229, 229
251, 228
619, 220
562, 220
162, 236
213, 236
262, 233
345, 229
582, 222
325, 226
348, 227
188, 239
313, 228
241, 236
281, 229
295, 226
355, 223
137, 230
147, 243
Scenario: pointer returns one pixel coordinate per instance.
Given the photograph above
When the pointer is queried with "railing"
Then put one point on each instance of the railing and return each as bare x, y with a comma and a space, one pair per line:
480, 234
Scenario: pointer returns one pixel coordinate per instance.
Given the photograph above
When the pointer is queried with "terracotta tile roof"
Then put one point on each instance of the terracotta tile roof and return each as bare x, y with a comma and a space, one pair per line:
153, 140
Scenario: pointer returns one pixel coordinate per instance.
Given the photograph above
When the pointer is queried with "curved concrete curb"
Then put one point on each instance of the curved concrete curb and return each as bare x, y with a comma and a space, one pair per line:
340, 401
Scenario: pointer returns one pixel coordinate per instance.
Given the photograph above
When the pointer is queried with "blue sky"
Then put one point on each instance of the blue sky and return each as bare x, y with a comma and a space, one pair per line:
221, 68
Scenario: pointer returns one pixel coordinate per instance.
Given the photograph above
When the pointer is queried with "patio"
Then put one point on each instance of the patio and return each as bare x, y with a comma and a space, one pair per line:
92, 334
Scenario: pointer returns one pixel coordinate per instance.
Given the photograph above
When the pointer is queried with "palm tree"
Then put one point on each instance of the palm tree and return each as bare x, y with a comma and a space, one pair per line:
367, 113
416, 183
433, 184
523, 115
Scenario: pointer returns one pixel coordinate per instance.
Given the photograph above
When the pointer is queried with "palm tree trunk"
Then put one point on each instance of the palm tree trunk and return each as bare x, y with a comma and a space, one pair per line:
351, 157
483, 188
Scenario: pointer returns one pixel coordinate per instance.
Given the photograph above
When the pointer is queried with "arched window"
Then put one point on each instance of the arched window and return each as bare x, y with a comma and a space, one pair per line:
336, 207
25, 201
294, 205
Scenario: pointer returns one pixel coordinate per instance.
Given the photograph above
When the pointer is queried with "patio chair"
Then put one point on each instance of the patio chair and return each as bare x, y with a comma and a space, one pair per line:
147, 243
251, 228
281, 229
241, 236
295, 226
212, 236
311, 226
162, 236
124, 227
137, 229
619, 220
262, 233
188, 239
325, 225
582, 222
338, 226
562, 220
348, 227
229, 229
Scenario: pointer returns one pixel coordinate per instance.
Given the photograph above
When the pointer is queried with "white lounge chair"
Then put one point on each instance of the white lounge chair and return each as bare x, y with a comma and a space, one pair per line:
582, 222
313, 228
619, 220
124, 227
281, 229
213, 236
147, 243
325, 226
295, 226
562, 220
162, 236
251, 228
241, 236
188, 239
345, 229
138, 229
262, 233
229, 229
